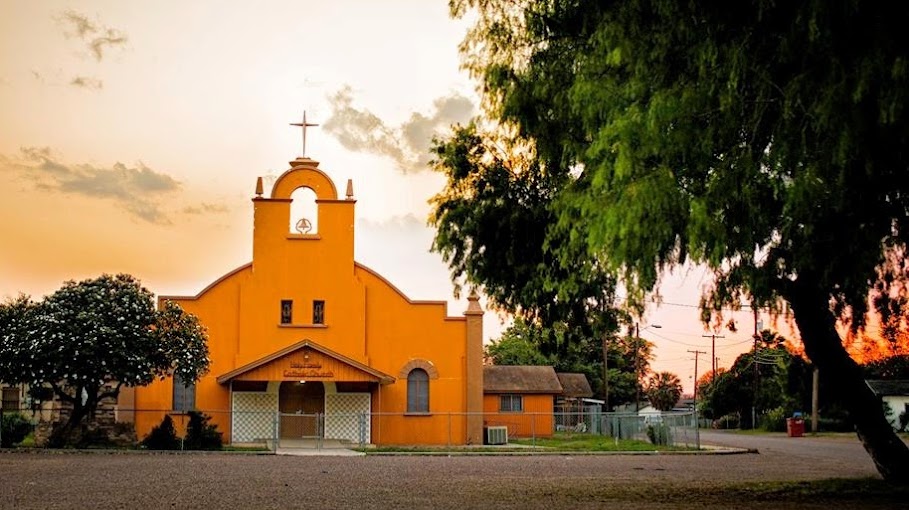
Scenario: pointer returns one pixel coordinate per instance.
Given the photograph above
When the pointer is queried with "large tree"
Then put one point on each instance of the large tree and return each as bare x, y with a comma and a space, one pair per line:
493, 222
90, 338
767, 140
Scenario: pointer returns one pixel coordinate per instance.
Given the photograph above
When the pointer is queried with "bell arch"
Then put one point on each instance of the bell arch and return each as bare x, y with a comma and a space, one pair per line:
304, 177
304, 211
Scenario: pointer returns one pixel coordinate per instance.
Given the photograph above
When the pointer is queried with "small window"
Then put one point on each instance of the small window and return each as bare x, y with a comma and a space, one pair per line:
287, 311
184, 396
318, 312
511, 403
10, 403
418, 391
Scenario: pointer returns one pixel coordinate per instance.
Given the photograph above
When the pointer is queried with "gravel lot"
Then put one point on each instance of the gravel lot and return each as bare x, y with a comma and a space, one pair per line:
223, 480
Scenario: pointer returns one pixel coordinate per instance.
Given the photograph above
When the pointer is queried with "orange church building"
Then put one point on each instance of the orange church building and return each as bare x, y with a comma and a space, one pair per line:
306, 342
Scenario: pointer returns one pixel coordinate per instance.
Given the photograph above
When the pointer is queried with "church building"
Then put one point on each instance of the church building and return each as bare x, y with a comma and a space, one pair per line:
306, 342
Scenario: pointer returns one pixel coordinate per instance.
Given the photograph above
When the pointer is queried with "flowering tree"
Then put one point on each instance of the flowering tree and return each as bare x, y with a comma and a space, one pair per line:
90, 338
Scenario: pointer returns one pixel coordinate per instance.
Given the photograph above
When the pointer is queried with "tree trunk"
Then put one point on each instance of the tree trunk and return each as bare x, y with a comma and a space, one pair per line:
824, 347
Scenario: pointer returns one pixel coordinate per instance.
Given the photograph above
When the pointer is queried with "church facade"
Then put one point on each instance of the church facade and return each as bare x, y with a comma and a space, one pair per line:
306, 342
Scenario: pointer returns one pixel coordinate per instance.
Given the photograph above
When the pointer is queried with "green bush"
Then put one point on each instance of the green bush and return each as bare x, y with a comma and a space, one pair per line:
729, 421
904, 421
774, 420
201, 435
659, 434
13, 429
163, 436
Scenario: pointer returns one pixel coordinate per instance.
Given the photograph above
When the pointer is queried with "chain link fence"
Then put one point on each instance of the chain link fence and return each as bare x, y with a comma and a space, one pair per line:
272, 430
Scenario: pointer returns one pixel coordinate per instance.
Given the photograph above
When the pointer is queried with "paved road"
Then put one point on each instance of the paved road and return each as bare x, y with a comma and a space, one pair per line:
837, 450
137, 480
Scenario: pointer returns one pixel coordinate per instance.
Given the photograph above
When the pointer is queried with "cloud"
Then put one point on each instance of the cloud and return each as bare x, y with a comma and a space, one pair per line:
135, 189
96, 36
87, 82
205, 208
407, 144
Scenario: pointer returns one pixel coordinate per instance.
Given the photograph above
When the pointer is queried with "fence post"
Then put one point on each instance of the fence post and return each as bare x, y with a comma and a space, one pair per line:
276, 431
697, 430
533, 430
449, 430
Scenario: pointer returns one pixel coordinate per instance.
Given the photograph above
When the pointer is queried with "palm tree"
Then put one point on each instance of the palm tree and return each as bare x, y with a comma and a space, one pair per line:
664, 390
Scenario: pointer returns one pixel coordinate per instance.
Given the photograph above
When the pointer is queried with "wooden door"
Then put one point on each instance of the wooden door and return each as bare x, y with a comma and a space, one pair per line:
302, 406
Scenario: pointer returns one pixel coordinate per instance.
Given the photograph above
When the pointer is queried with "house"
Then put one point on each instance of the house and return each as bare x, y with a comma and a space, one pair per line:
520, 397
305, 342
895, 394
576, 392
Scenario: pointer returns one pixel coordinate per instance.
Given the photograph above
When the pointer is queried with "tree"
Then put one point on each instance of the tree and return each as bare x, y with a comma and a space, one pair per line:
664, 390
522, 344
493, 230
89, 339
767, 140
518, 345
783, 381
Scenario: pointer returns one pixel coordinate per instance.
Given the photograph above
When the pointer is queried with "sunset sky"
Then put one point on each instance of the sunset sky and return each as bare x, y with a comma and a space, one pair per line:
132, 133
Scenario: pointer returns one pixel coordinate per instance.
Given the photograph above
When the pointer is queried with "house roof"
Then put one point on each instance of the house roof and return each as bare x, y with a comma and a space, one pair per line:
574, 385
520, 379
889, 388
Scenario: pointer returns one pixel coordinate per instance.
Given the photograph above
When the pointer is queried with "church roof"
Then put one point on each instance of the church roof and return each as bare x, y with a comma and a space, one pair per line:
373, 374
574, 385
520, 379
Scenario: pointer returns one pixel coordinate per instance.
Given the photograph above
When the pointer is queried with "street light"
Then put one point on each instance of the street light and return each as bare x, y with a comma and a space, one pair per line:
637, 363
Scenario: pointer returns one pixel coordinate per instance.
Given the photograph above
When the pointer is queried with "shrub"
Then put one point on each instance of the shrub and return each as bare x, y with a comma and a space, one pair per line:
658, 433
729, 421
904, 420
201, 435
15, 428
774, 420
163, 436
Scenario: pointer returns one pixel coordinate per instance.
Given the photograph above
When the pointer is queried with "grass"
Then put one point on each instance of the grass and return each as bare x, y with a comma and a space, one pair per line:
843, 493
560, 442
594, 443
862, 492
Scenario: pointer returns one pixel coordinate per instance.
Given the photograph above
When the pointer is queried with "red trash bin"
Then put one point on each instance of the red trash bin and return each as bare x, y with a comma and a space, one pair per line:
795, 427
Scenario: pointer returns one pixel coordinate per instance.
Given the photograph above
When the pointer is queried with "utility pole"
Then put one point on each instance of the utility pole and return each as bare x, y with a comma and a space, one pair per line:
815, 383
697, 433
637, 362
637, 368
606, 370
712, 355
754, 376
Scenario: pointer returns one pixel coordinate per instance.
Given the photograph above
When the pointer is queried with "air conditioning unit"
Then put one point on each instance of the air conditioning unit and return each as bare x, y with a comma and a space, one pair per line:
497, 435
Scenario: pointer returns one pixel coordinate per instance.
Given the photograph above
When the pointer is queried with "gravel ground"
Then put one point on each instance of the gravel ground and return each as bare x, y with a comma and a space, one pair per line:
222, 480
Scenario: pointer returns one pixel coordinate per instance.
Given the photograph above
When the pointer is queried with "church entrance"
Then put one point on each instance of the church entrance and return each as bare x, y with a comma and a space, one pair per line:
302, 406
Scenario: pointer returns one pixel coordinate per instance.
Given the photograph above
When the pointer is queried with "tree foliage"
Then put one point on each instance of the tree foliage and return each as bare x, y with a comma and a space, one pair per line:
664, 389
783, 382
495, 228
90, 338
766, 140
521, 344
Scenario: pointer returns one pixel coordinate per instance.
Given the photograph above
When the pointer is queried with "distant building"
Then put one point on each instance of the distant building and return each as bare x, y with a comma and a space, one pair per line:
895, 394
520, 397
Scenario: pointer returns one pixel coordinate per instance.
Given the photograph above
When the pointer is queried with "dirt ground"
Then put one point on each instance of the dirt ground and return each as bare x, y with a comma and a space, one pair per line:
224, 480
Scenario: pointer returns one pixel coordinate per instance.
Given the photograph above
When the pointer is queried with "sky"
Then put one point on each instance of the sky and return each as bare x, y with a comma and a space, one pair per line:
132, 134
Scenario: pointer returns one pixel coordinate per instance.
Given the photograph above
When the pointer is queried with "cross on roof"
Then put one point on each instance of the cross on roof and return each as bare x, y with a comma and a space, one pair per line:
303, 125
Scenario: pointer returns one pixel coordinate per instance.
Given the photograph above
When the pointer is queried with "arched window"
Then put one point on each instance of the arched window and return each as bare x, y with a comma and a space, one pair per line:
304, 212
418, 391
